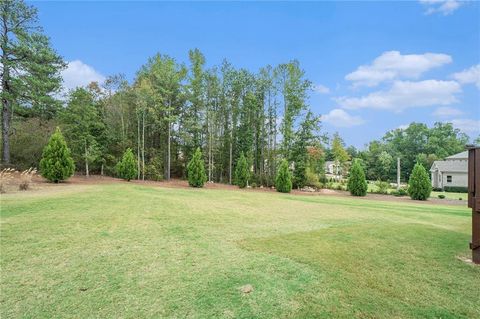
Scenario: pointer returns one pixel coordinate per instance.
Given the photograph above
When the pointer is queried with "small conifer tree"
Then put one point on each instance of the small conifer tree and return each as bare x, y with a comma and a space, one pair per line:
127, 167
357, 184
300, 173
56, 164
419, 186
283, 181
241, 172
196, 170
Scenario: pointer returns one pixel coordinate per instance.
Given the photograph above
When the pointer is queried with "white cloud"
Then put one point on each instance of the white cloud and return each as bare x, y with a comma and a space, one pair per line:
468, 126
444, 7
78, 74
340, 118
321, 89
392, 65
446, 111
406, 94
403, 127
471, 75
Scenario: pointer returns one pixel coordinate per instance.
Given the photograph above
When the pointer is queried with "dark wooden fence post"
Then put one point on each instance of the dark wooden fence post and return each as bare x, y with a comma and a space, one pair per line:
474, 199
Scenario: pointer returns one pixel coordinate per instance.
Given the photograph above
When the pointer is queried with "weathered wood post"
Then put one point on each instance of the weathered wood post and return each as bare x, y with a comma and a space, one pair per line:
474, 198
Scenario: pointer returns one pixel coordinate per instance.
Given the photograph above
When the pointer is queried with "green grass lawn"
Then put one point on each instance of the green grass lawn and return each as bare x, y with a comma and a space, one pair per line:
131, 251
450, 195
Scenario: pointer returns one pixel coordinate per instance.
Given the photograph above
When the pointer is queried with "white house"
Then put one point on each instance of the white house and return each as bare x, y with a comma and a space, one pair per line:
453, 171
330, 167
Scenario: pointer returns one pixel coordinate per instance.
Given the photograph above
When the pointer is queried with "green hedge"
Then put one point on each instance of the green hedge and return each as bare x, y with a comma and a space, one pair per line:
456, 189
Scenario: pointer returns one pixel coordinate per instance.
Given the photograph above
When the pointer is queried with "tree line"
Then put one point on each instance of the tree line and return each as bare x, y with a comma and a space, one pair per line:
170, 109
416, 143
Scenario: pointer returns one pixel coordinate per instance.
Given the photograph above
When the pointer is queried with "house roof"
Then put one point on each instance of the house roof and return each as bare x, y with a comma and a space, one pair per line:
462, 155
450, 166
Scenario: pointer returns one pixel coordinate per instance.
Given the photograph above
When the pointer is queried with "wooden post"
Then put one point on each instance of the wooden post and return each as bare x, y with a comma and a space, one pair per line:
398, 173
474, 199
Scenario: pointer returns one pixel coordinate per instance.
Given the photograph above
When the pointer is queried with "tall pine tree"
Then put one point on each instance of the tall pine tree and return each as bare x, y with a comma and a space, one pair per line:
30, 67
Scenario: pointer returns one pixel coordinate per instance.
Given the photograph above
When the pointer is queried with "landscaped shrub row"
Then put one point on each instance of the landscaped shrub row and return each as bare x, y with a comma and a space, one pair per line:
455, 189
399, 192
57, 165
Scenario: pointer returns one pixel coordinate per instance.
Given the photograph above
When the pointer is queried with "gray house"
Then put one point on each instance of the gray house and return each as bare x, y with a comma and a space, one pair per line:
453, 171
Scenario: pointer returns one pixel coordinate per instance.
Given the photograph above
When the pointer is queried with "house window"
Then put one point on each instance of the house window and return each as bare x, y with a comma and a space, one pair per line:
449, 178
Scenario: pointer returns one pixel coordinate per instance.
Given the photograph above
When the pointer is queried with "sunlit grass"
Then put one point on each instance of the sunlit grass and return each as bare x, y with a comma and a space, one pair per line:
450, 195
131, 251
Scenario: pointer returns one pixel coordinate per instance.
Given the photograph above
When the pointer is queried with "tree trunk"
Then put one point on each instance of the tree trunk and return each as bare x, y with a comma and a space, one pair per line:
123, 127
230, 160
168, 144
138, 146
86, 160
209, 132
398, 173
5, 102
210, 157
5, 131
143, 145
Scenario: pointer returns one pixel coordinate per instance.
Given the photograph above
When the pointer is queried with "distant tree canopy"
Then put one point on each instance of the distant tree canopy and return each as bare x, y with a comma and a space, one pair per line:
416, 143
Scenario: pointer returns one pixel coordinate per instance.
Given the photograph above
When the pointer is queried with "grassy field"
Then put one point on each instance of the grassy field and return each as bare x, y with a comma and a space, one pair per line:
132, 251
450, 195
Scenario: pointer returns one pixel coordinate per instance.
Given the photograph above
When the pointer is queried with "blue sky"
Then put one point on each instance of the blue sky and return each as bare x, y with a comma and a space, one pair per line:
376, 65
